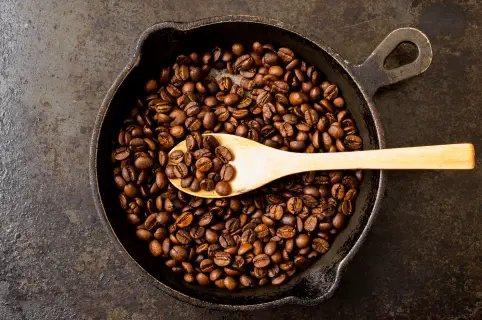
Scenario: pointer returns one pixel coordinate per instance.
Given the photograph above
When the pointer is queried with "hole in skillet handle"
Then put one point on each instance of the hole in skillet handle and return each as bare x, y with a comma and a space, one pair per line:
405, 53
378, 71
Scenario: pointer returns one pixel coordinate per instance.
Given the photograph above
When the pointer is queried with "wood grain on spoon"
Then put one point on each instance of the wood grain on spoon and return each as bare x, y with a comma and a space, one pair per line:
257, 164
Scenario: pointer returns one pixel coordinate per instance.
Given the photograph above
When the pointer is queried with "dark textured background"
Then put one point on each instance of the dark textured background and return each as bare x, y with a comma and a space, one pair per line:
423, 257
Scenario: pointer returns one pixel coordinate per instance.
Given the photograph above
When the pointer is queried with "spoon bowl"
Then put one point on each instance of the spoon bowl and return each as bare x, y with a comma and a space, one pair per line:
251, 173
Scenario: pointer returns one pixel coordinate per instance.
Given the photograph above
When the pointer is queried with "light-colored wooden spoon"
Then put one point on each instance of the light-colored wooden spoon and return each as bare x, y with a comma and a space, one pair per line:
257, 164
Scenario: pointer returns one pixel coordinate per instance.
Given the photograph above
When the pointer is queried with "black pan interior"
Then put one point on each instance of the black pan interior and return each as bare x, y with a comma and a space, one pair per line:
158, 50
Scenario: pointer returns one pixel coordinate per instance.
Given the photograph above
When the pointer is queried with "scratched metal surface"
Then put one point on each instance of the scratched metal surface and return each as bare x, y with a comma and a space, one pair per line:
422, 258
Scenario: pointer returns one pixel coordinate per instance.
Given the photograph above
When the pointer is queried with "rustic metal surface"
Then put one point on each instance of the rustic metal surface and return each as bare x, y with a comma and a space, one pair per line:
421, 258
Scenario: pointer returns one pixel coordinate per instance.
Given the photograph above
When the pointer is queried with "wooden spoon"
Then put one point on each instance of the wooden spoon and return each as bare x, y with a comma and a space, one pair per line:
257, 164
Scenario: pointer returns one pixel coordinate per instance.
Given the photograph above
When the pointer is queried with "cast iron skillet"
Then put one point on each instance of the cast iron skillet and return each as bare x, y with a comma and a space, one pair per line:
157, 46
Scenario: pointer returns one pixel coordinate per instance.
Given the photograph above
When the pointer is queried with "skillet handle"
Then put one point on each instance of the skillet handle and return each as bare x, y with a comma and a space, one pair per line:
373, 75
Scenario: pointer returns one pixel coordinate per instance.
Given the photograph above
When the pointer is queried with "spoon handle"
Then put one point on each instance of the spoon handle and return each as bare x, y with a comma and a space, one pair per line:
450, 156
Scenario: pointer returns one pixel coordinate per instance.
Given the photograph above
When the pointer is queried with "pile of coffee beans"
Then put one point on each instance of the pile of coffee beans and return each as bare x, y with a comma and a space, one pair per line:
204, 165
259, 238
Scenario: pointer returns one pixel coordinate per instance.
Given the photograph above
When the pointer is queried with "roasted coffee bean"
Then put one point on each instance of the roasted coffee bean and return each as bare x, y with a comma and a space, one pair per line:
286, 232
339, 102
161, 180
144, 235
259, 272
224, 154
237, 49
166, 141
230, 283
248, 235
188, 268
225, 83
276, 212
202, 279
286, 266
184, 220
123, 201
350, 194
226, 240
245, 247
288, 219
294, 205
261, 260
205, 219
222, 259
155, 248
279, 279
181, 170
309, 201
297, 146
270, 248
195, 185
211, 236
150, 222
303, 240
340, 146
204, 164
277, 257
183, 237
227, 172
331, 92
150, 86
311, 117
131, 190
286, 54
186, 182
178, 253
336, 131
310, 223
163, 218
273, 271
244, 62
166, 246
353, 142
320, 245
209, 120
246, 280
197, 232
120, 182
207, 265
137, 145
301, 262
215, 274
142, 160
210, 142
233, 225
202, 153
261, 231
207, 184
191, 142
129, 173
338, 191
223, 188
328, 210
189, 278
270, 59
297, 98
